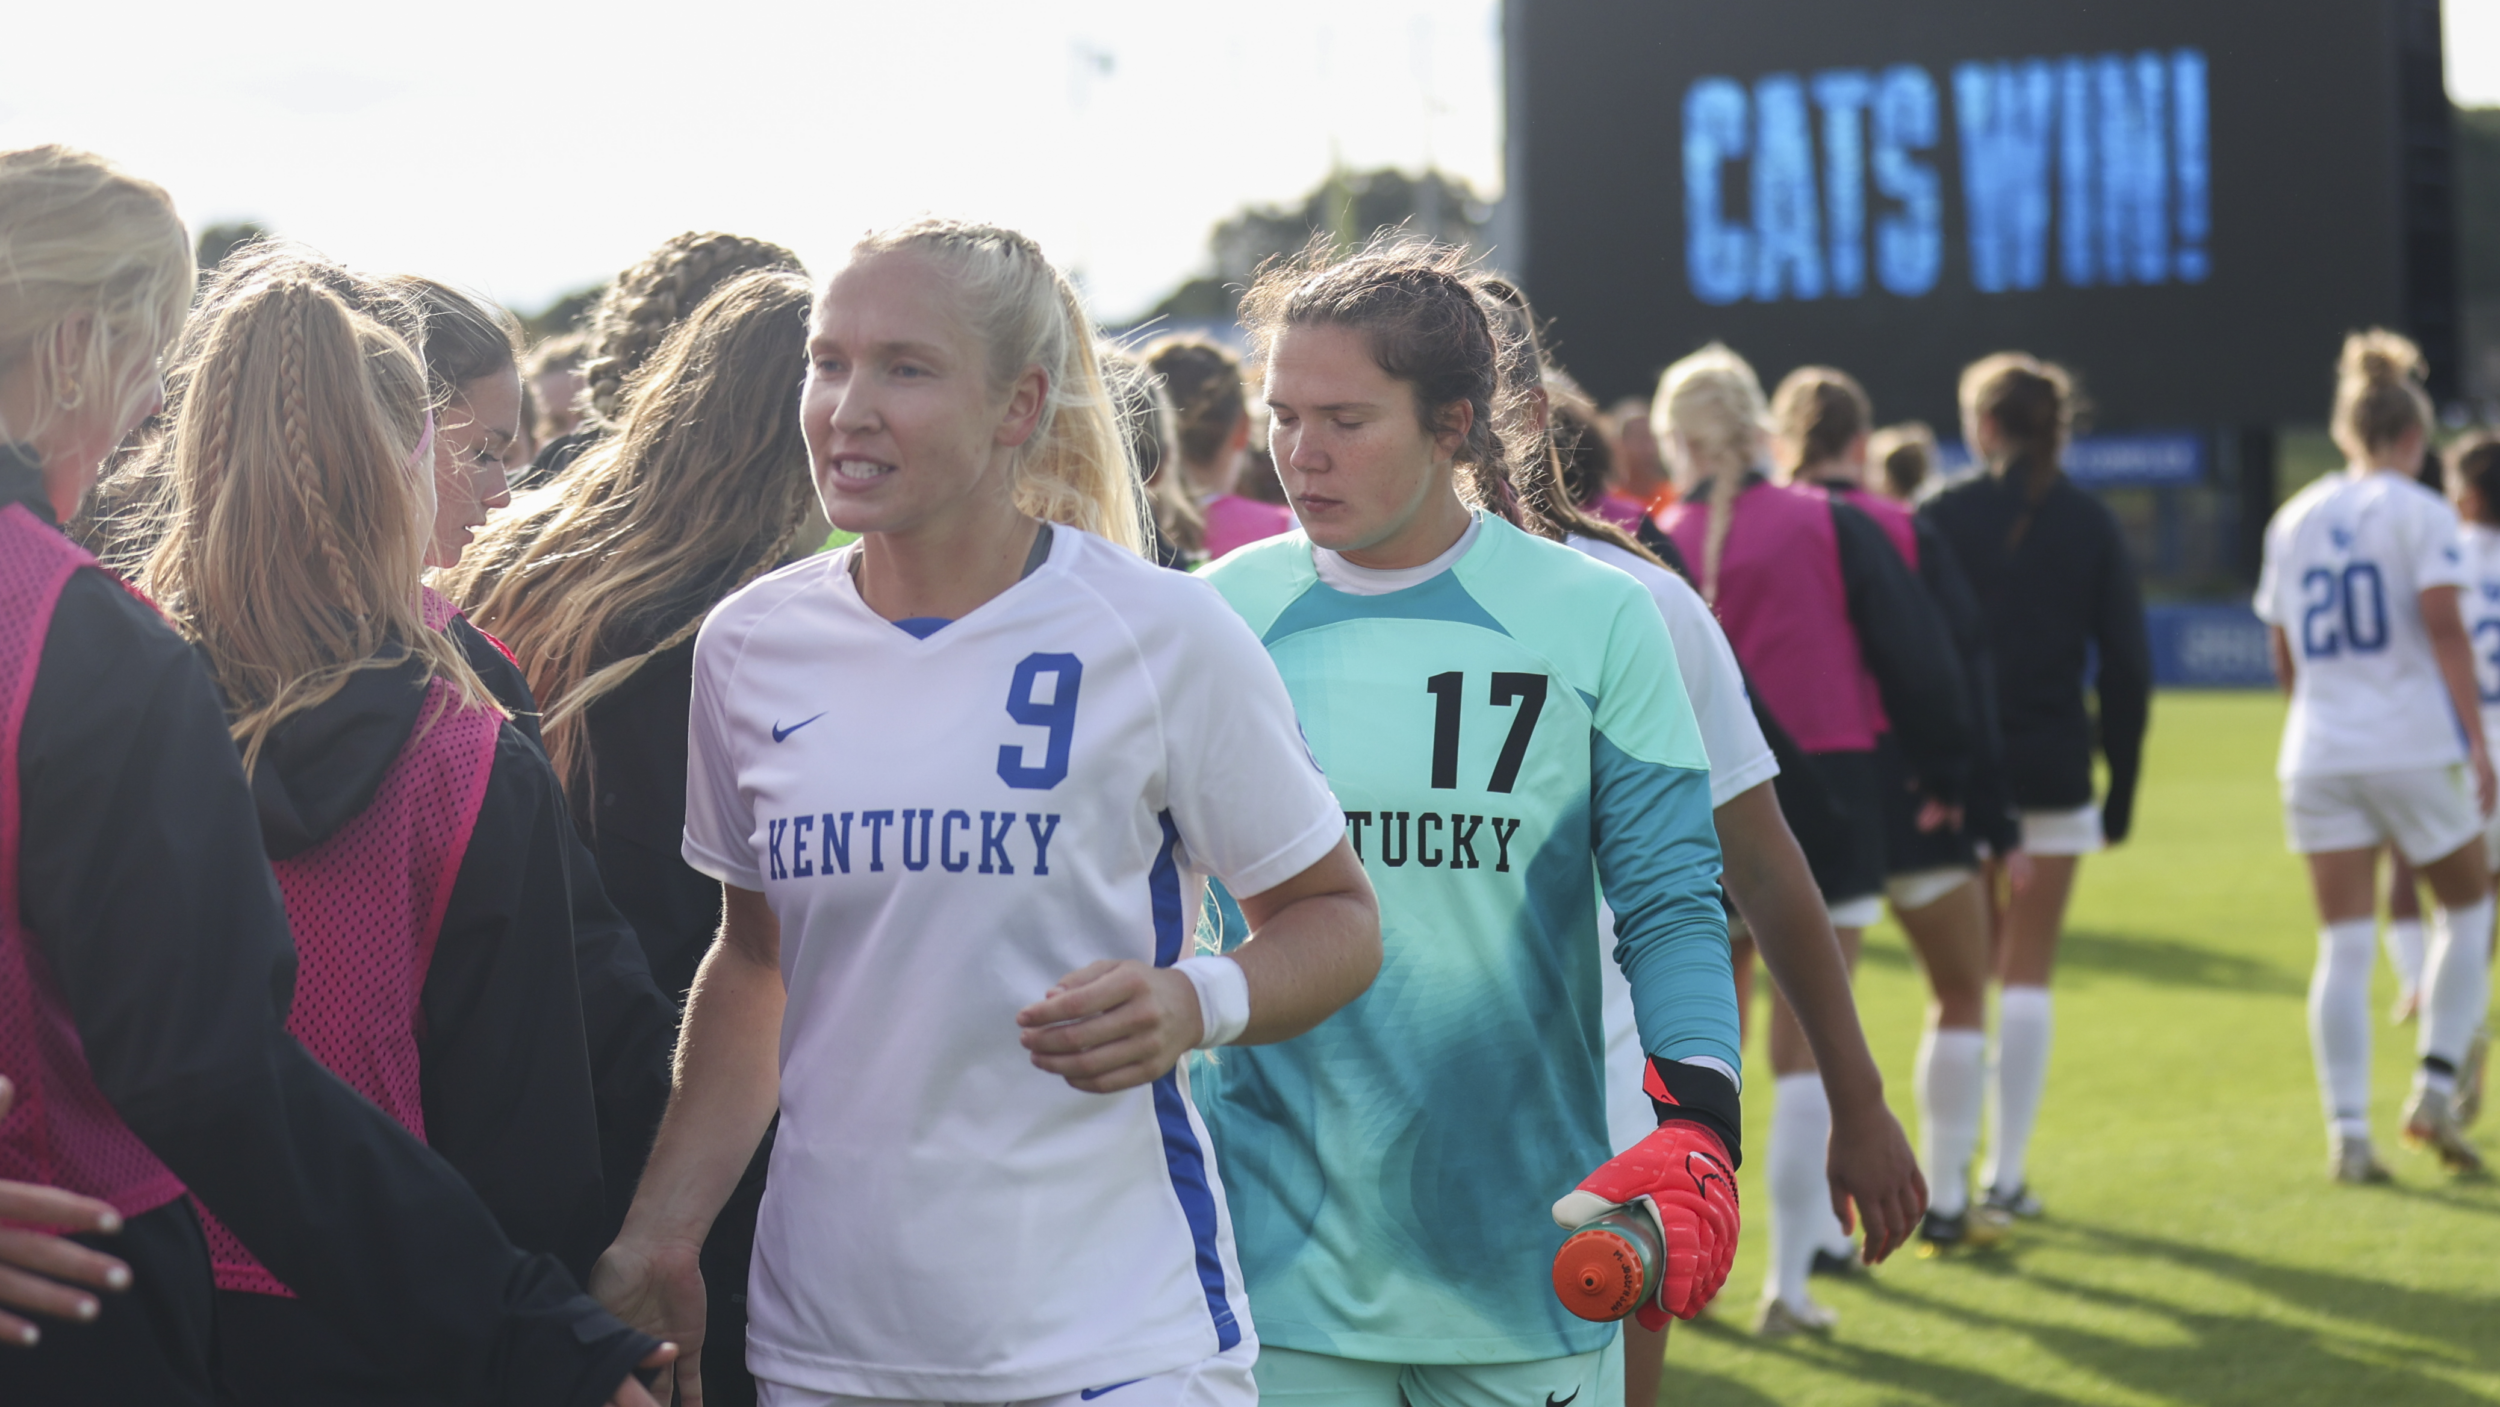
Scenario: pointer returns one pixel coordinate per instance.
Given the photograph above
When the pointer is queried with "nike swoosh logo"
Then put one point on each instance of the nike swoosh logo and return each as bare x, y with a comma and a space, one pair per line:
1091, 1393
780, 732
1566, 1402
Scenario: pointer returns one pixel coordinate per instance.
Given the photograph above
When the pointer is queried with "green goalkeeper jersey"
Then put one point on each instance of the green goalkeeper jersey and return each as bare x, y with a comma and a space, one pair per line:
1503, 737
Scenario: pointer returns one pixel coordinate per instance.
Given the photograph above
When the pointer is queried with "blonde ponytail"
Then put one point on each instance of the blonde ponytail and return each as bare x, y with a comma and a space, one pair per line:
1711, 419
295, 525
1076, 468
2378, 392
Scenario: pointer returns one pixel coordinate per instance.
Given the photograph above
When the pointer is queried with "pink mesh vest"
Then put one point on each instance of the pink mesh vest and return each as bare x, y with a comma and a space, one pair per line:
365, 906
1784, 608
62, 1132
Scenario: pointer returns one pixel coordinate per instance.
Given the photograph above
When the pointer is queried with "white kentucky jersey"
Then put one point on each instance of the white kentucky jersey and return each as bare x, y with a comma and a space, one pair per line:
2347, 560
1740, 760
2482, 618
945, 827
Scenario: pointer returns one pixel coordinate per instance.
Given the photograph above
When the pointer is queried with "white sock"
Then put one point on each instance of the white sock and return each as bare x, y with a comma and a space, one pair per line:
1952, 1081
2339, 1025
1801, 1135
2456, 981
2404, 951
2022, 1069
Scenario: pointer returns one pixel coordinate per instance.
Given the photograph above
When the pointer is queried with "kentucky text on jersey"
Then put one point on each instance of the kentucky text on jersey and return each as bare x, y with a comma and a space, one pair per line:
1425, 844
809, 846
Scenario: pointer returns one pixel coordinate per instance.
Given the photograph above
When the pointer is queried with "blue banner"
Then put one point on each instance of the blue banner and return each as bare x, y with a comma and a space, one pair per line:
2145, 458
2208, 647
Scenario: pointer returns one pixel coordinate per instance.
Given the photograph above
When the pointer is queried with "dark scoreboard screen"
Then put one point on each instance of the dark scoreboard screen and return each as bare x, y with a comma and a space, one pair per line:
2189, 202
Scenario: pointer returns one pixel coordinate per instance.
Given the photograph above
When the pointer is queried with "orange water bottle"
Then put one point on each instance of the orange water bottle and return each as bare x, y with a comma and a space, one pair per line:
1611, 1266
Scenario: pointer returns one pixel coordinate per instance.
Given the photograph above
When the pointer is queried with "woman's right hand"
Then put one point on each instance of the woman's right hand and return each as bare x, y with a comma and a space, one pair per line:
38, 1270
658, 1289
2486, 786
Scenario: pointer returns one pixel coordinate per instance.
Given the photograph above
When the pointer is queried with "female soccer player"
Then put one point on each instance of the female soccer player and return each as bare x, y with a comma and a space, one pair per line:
961, 780
2052, 576
1822, 421
1208, 399
140, 916
1767, 877
2360, 587
598, 580
417, 837
1836, 635
1500, 717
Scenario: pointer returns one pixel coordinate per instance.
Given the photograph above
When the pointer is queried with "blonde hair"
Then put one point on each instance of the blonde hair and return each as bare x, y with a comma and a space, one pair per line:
701, 489
296, 525
1146, 410
80, 237
1075, 469
2378, 392
1709, 415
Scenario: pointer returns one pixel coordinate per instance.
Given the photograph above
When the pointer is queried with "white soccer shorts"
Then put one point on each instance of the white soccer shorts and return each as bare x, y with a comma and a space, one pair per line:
2427, 812
2075, 832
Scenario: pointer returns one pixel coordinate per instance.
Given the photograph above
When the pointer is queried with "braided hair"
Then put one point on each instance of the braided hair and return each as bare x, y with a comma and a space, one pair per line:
1542, 470
634, 315
1416, 303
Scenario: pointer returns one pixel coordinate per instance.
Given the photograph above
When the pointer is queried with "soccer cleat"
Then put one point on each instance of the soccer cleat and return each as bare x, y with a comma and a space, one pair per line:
1981, 1225
1779, 1319
1837, 1264
2431, 1124
2470, 1078
2017, 1203
2350, 1161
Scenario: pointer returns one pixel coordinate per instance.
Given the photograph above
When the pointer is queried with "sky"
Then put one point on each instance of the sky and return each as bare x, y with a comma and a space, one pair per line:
525, 148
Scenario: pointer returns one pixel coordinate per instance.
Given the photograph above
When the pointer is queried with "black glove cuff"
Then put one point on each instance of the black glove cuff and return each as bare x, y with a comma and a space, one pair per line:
1701, 1095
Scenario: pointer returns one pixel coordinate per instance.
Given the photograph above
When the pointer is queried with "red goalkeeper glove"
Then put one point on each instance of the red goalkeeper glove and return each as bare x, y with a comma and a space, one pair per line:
1681, 1175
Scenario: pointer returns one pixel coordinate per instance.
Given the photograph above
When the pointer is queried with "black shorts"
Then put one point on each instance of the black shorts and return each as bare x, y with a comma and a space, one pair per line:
1843, 839
1907, 849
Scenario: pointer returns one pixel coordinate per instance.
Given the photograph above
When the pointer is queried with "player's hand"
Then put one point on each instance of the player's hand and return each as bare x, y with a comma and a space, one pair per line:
1870, 1164
1934, 815
2486, 786
1113, 1025
658, 1289
39, 1271
1681, 1174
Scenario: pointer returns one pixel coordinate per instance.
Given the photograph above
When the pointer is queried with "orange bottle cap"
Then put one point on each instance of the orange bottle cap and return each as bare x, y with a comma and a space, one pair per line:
1598, 1275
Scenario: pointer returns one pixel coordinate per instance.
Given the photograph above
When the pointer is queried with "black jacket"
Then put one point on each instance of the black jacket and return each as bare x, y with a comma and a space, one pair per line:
636, 819
2053, 598
505, 1066
1909, 649
631, 1027
143, 877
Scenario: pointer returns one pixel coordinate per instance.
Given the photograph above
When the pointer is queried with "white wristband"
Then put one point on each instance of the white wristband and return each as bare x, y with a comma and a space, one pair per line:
1223, 997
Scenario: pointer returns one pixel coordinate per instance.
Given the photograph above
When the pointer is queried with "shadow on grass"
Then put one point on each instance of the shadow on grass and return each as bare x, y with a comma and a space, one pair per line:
2217, 1357
2462, 1323
2173, 962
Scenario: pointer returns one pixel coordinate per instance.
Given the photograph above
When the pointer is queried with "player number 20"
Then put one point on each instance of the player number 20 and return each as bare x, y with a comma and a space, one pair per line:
2341, 611
1525, 692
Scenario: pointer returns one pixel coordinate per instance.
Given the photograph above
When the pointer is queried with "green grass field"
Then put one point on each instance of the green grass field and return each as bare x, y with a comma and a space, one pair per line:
2193, 1250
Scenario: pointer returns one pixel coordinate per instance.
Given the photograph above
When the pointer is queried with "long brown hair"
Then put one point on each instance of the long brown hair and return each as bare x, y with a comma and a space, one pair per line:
633, 317
297, 523
702, 488
1547, 507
